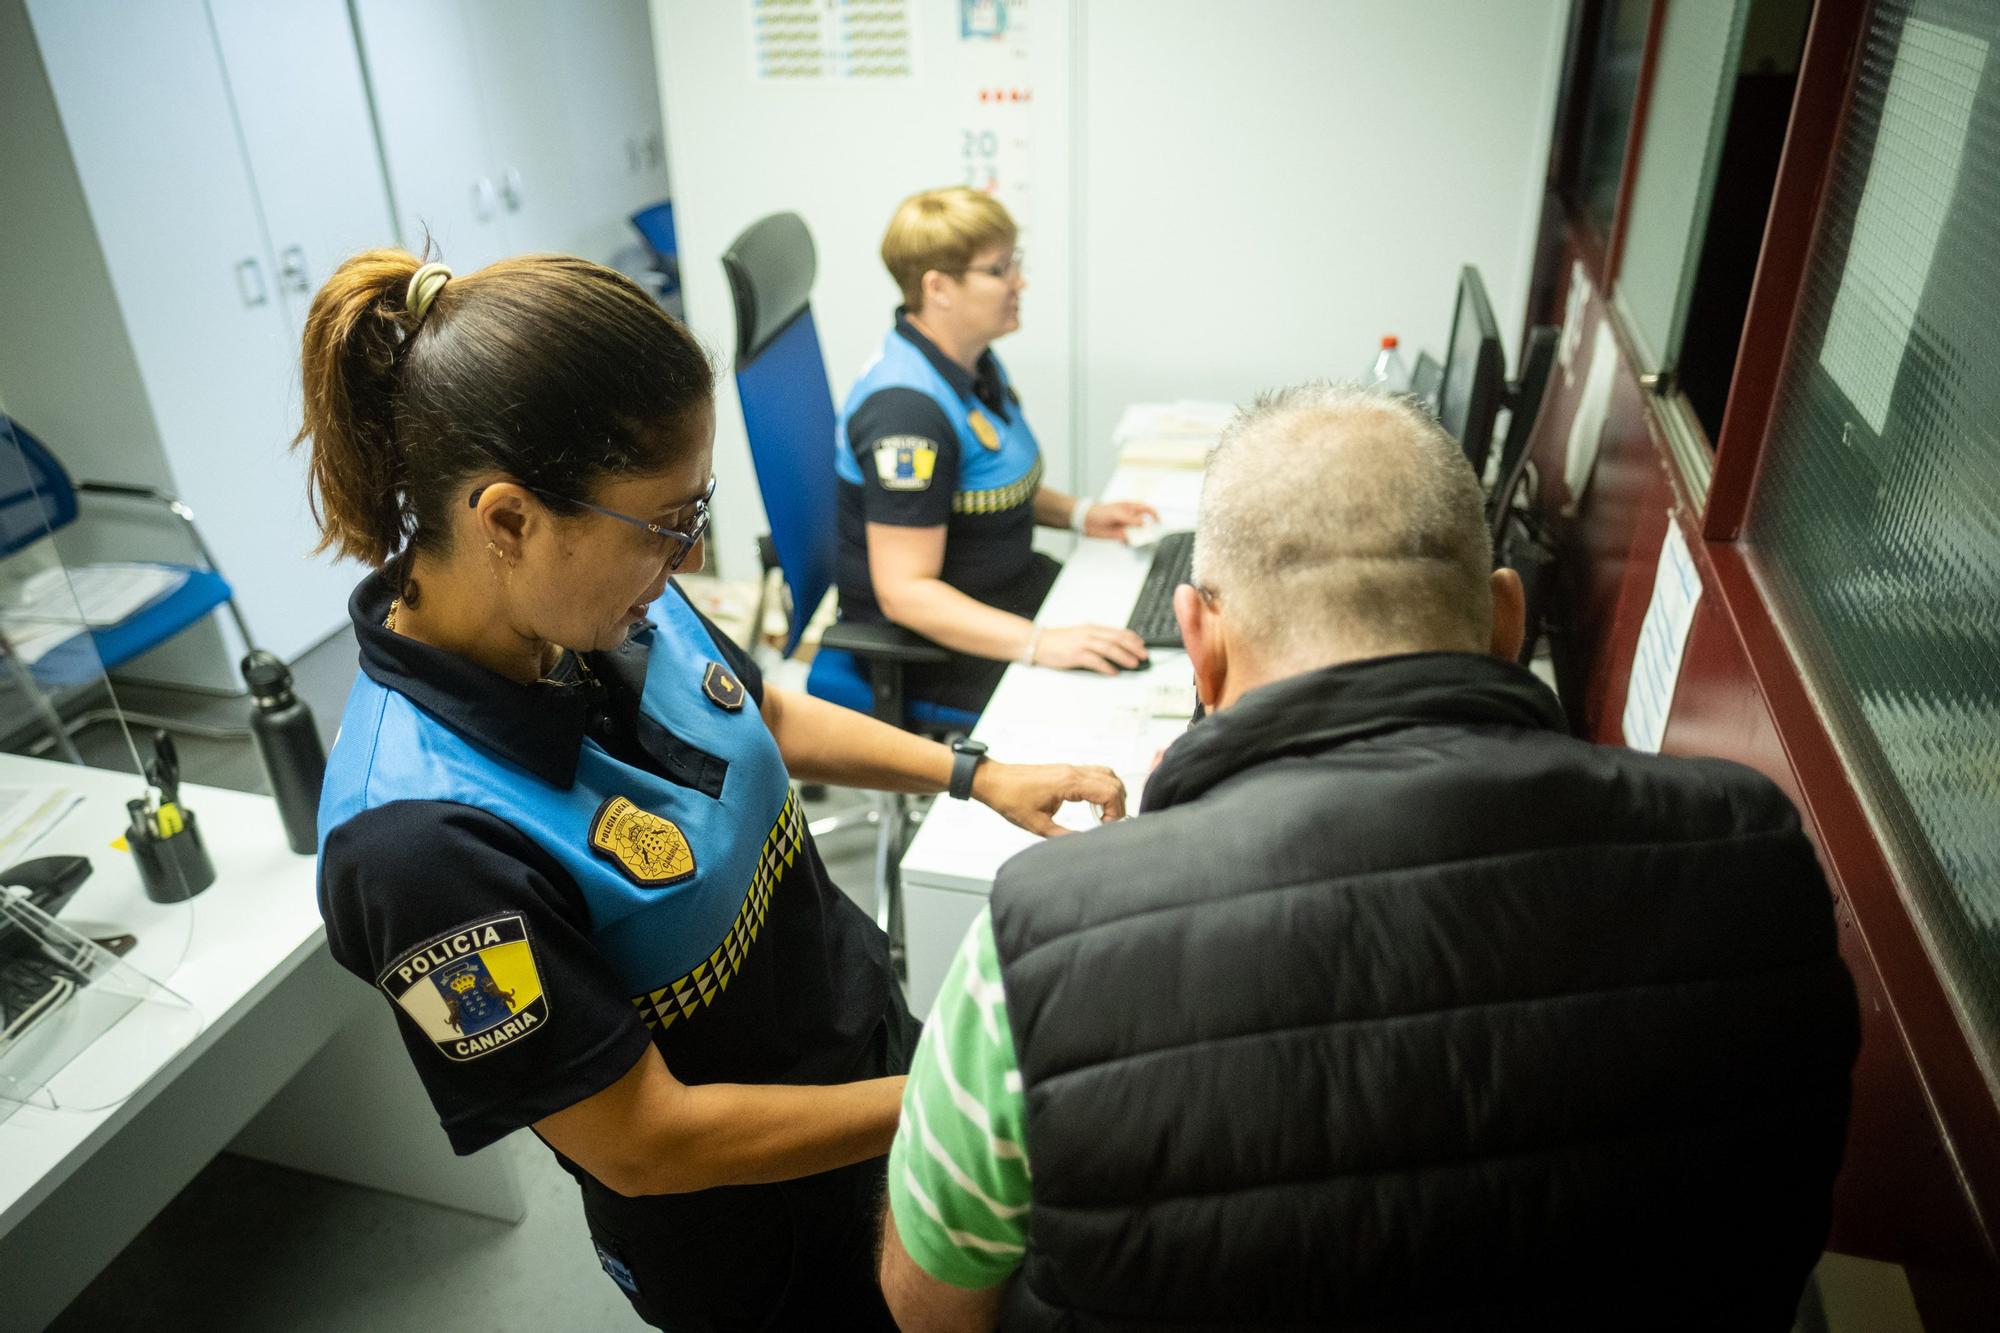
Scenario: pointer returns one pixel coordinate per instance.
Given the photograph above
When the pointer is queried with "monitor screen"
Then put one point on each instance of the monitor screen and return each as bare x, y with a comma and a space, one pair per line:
1474, 373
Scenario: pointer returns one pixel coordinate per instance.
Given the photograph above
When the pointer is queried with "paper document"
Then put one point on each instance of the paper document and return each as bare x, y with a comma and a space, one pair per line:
1170, 434
1586, 428
1656, 663
52, 606
26, 813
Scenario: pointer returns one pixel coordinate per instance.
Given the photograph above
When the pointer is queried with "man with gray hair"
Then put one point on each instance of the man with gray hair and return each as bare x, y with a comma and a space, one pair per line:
1397, 1006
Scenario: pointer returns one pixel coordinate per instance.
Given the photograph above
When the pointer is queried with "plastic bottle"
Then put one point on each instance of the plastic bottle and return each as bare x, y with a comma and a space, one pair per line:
1388, 372
288, 743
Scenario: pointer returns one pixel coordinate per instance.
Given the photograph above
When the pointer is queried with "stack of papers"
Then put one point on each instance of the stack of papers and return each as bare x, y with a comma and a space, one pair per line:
53, 606
1170, 434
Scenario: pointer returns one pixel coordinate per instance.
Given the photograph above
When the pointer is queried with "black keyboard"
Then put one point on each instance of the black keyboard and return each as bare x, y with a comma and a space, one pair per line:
1153, 614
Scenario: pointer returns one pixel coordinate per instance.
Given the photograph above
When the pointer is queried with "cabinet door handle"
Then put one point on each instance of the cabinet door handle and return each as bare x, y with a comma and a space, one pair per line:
510, 190
483, 199
250, 282
292, 268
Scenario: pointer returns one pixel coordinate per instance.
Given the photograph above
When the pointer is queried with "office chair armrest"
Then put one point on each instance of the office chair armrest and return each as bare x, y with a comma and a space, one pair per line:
881, 643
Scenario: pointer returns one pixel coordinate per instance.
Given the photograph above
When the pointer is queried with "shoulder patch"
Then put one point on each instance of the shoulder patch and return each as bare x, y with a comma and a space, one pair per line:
982, 429
472, 991
722, 687
649, 848
905, 462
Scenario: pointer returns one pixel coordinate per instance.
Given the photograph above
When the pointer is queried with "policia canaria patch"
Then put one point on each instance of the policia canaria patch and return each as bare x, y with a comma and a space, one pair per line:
650, 849
905, 462
472, 991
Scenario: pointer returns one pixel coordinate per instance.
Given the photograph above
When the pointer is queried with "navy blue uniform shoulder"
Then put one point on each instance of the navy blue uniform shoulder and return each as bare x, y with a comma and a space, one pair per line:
404, 880
899, 411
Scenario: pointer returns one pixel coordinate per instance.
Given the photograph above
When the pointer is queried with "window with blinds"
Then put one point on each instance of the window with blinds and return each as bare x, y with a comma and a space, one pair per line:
1876, 524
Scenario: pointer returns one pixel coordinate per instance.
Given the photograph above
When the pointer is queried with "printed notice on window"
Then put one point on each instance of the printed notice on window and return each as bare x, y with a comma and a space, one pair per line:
1656, 665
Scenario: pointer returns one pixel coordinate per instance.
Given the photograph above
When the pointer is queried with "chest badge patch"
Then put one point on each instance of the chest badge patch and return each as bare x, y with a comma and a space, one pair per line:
905, 462
650, 849
719, 683
982, 430
472, 991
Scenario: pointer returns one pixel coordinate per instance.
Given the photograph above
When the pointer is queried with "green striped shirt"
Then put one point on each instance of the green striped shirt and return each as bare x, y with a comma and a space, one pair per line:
958, 1173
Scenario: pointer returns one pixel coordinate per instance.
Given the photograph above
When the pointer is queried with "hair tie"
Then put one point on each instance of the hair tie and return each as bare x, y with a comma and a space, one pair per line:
424, 286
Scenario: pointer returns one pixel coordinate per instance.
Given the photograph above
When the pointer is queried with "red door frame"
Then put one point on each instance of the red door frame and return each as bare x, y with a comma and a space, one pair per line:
1922, 1179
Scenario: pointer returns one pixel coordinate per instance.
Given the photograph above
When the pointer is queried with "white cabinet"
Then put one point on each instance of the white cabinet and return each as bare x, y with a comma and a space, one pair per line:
197, 214
511, 126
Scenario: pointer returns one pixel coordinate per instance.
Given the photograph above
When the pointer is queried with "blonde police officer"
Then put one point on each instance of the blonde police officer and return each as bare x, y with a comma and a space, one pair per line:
940, 475
563, 844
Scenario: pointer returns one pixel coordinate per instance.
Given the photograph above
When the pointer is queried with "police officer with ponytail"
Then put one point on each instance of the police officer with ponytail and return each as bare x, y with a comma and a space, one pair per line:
563, 843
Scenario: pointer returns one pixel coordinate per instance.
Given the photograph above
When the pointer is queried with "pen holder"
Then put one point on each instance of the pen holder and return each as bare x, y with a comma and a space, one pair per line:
174, 868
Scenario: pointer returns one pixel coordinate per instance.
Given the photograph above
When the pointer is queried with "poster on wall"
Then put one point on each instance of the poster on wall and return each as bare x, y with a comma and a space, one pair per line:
995, 142
831, 39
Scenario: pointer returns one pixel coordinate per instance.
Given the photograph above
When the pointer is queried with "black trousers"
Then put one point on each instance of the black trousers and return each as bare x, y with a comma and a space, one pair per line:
968, 682
795, 1254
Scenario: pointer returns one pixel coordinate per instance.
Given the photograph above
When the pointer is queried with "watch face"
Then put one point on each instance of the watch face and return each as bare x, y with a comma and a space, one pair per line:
969, 747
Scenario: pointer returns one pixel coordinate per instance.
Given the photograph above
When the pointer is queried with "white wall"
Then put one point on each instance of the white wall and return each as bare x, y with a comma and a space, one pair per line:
842, 153
1265, 188
1225, 196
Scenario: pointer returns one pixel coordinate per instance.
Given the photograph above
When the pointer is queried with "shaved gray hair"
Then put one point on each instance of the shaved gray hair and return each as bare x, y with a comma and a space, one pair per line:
1340, 522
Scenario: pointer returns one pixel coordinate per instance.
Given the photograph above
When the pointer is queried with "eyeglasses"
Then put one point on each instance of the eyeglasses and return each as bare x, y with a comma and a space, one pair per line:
1002, 269
683, 541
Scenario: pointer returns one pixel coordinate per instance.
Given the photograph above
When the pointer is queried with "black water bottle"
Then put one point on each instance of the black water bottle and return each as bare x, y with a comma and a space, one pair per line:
288, 743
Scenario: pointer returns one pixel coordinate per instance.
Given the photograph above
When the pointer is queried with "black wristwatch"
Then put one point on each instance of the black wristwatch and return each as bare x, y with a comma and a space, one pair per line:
965, 758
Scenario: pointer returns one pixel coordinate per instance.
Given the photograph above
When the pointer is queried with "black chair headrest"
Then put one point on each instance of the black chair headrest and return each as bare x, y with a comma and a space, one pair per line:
770, 268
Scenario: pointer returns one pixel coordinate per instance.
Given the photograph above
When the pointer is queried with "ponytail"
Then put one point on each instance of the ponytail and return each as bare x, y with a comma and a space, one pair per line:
357, 326
557, 372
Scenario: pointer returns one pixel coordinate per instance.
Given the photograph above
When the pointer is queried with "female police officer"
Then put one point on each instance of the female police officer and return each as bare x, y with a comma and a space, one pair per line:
941, 478
564, 845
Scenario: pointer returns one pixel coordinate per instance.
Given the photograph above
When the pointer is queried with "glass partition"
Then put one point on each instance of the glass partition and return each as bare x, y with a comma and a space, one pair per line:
1876, 525
99, 858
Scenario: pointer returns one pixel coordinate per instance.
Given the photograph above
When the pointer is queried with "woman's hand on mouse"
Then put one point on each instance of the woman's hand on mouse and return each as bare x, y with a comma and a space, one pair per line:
1110, 518
1030, 794
1105, 649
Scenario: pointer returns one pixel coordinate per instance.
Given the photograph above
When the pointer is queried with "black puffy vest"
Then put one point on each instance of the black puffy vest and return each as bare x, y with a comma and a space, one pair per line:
1400, 1008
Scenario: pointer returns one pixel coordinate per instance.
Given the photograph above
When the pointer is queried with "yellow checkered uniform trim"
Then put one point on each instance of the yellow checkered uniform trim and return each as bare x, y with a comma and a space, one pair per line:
688, 995
1001, 498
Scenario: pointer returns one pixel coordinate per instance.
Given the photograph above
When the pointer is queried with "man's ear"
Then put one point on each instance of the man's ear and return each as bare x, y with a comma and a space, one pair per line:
1207, 646
1510, 614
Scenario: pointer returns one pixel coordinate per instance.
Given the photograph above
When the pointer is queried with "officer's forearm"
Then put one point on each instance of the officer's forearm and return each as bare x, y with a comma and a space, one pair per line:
1052, 507
823, 742
752, 1134
944, 615
649, 1133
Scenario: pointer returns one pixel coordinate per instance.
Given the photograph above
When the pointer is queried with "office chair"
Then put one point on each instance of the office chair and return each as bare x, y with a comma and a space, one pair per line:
655, 225
38, 499
788, 415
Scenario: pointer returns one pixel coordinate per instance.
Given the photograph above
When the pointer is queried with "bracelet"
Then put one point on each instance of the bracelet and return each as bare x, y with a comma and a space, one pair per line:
1079, 514
1027, 657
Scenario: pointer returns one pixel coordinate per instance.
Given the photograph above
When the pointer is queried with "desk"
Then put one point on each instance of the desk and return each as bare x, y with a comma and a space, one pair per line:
1041, 716
281, 1027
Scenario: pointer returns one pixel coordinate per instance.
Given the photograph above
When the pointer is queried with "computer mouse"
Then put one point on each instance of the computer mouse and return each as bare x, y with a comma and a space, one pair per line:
1145, 664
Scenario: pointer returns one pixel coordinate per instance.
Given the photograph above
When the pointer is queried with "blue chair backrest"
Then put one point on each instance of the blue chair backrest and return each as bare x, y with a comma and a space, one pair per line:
36, 496
787, 404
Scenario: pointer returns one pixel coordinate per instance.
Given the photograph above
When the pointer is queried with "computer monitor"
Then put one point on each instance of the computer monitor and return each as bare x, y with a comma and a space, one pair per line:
1475, 373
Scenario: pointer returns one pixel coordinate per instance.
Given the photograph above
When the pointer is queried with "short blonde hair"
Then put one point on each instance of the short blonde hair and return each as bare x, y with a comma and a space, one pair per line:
942, 230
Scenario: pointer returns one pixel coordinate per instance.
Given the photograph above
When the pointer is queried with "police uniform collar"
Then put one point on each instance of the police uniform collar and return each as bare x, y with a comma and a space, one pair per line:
987, 386
539, 727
